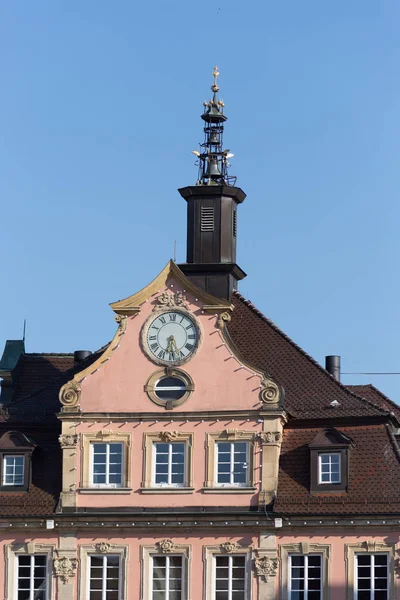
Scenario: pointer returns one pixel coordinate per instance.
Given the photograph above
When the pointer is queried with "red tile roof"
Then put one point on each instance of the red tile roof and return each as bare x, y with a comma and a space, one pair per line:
35, 371
374, 474
309, 388
371, 393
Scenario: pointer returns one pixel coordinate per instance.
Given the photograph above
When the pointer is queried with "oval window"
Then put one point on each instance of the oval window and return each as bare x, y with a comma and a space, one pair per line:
170, 388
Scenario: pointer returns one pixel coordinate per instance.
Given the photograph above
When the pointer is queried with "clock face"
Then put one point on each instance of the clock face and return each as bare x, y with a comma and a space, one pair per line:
171, 337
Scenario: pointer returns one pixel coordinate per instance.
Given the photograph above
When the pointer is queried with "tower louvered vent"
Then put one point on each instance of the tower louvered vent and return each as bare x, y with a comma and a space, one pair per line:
207, 218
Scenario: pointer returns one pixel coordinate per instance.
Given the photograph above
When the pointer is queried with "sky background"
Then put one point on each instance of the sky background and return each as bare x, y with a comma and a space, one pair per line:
100, 104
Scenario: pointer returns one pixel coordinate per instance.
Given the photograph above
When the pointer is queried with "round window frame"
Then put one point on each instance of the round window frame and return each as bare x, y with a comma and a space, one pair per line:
146, 327
150, 387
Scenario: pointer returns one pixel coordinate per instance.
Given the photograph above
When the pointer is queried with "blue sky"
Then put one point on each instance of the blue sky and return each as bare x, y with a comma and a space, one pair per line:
100, 108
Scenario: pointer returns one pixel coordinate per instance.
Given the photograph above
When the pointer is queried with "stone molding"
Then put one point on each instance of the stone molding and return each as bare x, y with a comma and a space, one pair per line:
65, 568
149, 439
11, 551
223, 319
108, 436
70, 393
368, 547
266, 567
169, 299
270, 437
85, 550
166, 546
303, 548
229, 547
211, 456
68, 440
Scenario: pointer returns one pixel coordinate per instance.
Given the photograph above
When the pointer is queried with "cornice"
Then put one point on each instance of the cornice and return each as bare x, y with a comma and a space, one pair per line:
132, 304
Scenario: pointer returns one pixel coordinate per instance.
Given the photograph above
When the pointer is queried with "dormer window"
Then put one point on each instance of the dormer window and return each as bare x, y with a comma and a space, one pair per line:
15, 462
329, 459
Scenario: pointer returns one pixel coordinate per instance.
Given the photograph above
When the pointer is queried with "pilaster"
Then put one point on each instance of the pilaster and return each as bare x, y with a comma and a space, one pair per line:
271, 440
65, 566
266, 567
68, 442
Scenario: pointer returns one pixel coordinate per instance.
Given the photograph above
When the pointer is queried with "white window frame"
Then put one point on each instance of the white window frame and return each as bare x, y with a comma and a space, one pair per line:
232, 459
330, 482
104, 557
183, 574
209, 555
305, 589
106, 485
154, 459
32, 571
372, 572
12, 551
230, 560
87, 550
13, 484
146, 558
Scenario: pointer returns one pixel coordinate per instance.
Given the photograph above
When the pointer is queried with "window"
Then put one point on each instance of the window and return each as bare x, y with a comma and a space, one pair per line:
230, 577
232, 463
169, 464
165, 571
170, 388
167, 577
305, 582
104, 581
372, 577
329, 461
31, 577
13, 470
15, 461
329, 468
107, 464
230, 460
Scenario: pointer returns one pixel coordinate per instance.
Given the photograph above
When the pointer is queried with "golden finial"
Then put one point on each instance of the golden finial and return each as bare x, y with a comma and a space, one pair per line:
214, 86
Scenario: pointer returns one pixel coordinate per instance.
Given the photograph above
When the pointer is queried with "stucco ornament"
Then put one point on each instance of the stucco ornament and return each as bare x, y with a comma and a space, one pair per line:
266, 567
65, 567
122, 321
168, 436
103, 547
270, 393
229, 547
166, 546
68, 440
70, 393
223, 319
269, 437
171, 300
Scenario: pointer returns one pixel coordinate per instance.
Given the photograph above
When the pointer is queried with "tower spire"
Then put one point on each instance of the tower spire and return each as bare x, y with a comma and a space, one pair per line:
212, 204
213, 160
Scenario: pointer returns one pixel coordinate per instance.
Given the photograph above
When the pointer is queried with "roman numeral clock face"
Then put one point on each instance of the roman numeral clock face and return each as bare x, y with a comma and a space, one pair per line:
171, 337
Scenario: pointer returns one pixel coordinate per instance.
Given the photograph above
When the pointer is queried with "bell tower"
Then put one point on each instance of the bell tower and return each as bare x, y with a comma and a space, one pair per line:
212, 209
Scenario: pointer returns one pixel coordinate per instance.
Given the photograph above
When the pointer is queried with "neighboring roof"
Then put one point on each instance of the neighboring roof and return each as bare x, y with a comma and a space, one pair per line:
309, 388
35, 371
370, 392
374, 474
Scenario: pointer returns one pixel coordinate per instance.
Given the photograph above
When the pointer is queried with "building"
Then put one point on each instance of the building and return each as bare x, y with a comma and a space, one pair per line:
201, 454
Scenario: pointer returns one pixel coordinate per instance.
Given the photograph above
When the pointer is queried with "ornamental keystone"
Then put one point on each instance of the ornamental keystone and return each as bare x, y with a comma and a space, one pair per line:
103, 547
229, 547
171, 300
166, 546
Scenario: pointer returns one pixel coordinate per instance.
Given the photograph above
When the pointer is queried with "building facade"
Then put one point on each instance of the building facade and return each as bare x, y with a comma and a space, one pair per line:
201, 454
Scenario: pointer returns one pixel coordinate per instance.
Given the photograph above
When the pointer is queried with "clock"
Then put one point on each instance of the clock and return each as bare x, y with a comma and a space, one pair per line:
171, 337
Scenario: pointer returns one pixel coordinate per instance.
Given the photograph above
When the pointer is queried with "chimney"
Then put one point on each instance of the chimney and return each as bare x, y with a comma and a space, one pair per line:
332, 365
80, 355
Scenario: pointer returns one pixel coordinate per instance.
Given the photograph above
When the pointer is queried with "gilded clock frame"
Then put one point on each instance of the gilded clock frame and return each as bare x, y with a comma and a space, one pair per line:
154, 315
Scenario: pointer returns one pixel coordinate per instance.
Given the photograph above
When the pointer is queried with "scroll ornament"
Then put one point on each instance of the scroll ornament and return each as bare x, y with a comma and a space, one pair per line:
70, 393
223, 319
168, 436
166, 546
122, 321
104, 547
68, 440
172, 300
266, 567
270, 393
65, 567
270, 437
229, 547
